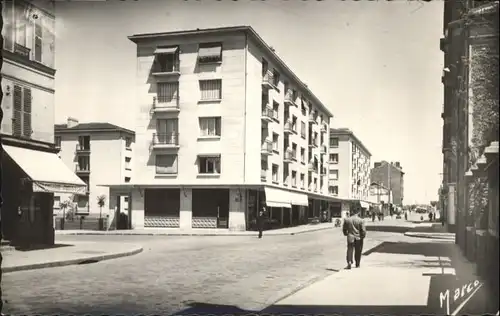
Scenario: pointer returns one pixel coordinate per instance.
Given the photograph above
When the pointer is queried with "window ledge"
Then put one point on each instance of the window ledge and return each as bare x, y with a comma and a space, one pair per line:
128, 169
209, 137
275, 182
210, 101
166, 175
211, 62
128, 148
208, 175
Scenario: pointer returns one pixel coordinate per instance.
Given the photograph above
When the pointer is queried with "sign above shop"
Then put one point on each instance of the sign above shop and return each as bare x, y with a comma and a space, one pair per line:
59, 188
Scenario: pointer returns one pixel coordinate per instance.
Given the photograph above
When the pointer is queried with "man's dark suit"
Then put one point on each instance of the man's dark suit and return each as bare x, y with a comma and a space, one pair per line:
355, 231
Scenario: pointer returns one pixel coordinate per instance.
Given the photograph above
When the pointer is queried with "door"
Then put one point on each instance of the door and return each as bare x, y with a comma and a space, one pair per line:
167, 131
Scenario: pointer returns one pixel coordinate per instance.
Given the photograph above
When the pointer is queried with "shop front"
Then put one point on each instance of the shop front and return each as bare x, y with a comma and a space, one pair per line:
32, 176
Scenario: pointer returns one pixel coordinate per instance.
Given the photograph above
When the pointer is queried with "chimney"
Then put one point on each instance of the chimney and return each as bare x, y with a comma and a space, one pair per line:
71, 122
398, 164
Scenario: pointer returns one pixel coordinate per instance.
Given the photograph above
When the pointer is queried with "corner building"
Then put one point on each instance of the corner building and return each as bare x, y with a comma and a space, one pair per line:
223, 128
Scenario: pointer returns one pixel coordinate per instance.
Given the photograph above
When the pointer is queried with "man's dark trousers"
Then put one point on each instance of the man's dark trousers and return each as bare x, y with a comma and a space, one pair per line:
355, 248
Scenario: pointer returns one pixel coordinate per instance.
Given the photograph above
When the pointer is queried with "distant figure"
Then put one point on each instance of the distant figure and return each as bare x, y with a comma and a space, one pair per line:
430, 216
406, 215
355, 231
260, 220
373, 215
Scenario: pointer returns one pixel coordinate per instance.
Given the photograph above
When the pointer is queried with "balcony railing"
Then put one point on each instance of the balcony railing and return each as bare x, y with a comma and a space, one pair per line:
82, 169
165, 139
285, 181
267, 114
268, 80
167, 69
267, 147
290, 98
22, 50
288, 156
312, 118
82, 148
288, 127
263, 175
165, 104
323, 149
324, 128
312, 167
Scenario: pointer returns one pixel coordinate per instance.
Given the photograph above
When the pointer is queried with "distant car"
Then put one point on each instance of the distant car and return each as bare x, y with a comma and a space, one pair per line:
398, 216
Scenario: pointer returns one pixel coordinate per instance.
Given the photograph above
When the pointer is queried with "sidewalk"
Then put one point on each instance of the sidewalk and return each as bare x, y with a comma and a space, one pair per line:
431, 230
397, 279
65, 254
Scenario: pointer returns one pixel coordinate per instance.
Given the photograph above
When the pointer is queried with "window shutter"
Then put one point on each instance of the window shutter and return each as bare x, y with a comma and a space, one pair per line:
17, 115
27, 112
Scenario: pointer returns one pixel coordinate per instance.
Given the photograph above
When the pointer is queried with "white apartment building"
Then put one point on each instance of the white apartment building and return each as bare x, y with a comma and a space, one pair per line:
349, 176
97, 152
224, 127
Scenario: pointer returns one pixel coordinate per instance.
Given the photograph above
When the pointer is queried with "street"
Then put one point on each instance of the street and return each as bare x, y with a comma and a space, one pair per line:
174, 272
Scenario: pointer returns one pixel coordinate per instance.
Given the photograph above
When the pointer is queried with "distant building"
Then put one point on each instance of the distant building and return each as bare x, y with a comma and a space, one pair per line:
32, 172
391, 176
349, 164
97, 152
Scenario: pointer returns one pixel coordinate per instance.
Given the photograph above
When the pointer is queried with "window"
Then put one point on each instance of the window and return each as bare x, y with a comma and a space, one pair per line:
303, 130
294, 179
276, 110
167, 92
57, 141
294, 123
21, 121
167, 131
166, 164
37, 42
286, 86
285, 174
7, 30
82, 204
275, 173
127, 163
265, 67
315, 184
210, 53
303, 107
210, 126
294, 151
127, 179
83, 163
128, 142
209, 165
303, 155
276, 77
334, 158
57, 202
334, 142
333, 189
276, 138
302, 180
334, 174
166, 59
21, 22
84, 142
211, 89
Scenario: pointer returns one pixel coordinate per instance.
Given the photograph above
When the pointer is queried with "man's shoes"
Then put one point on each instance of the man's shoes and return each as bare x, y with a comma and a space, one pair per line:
357, 264
348, 266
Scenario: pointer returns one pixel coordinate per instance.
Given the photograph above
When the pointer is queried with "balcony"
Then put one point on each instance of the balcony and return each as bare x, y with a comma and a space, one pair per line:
165, 140
288, 157
267, 148
313, 142
168, 70
324, 128
268, 81
323, 149
312, 167
290, 98
312, 118
22, 50
285, 181
267, 114
288, 127
263, 175
165, 105
322, 171
82, 149
82, 170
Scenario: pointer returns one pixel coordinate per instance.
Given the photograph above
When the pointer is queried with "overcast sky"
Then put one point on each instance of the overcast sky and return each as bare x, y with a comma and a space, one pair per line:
375, 64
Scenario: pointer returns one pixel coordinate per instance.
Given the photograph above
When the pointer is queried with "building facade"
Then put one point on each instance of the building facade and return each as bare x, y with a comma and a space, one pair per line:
224, 127
349, 163
32, 172
97, 152
391, 176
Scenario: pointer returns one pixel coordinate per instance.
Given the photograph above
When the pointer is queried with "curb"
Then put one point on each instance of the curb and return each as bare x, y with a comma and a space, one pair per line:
193, 234
63, 263
429, 236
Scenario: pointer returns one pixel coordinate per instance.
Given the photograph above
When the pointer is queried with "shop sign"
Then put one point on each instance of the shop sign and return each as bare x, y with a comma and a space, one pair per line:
59, 188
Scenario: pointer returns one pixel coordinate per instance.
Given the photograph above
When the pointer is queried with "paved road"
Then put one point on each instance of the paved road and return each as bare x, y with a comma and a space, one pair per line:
173, 272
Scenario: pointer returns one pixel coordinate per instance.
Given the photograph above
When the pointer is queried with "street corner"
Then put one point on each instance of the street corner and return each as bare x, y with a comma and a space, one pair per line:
73, 253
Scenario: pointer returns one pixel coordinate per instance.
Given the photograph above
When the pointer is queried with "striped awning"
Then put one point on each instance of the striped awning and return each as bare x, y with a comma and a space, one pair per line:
166, 50
209, 52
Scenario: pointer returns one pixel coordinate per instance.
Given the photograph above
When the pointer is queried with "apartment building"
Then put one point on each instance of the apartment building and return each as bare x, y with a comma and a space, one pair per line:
97, 152
224, 127
391, 176
32, 171
349, 164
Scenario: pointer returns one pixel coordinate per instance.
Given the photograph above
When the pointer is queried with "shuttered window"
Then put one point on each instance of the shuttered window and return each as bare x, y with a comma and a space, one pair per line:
17, 118
37, 49
27, 112
211, 89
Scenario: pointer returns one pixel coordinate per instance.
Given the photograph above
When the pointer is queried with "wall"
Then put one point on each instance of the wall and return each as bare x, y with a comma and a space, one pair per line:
380, 175
231, 109
42, 103
343, 166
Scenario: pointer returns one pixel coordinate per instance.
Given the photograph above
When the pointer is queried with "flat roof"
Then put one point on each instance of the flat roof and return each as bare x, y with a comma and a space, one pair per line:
253, 34
346, 131
91, 127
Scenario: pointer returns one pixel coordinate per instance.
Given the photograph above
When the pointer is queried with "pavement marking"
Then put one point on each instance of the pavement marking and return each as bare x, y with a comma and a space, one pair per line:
459, 308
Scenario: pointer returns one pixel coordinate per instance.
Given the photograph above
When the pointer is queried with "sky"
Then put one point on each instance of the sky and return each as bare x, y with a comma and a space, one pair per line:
375, 64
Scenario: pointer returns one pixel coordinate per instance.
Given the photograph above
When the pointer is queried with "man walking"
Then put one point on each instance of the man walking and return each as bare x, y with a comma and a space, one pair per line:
260, 220
355, 231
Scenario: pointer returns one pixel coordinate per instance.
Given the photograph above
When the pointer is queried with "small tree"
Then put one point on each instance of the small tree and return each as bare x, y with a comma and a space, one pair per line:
64, 206
101, 201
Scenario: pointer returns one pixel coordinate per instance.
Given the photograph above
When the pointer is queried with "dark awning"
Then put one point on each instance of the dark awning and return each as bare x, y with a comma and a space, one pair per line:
166, 50
209, 52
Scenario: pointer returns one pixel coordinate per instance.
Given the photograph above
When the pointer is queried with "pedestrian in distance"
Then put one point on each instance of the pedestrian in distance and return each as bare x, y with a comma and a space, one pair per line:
355, 231
261, 217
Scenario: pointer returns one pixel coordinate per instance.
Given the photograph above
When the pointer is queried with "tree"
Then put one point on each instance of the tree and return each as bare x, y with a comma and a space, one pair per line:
434, 203
101, 201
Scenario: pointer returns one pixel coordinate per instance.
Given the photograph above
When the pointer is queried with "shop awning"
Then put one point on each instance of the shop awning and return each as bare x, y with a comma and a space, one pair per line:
277, 198
299, 199
209, 52
166, 50
364, 204
47, 171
